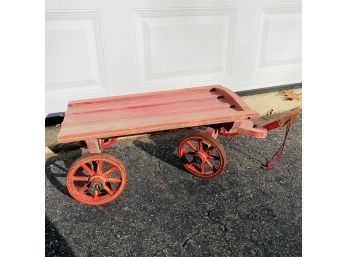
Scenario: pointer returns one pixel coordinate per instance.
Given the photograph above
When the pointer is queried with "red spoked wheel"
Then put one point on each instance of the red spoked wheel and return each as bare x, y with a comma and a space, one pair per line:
96, 179
202, 155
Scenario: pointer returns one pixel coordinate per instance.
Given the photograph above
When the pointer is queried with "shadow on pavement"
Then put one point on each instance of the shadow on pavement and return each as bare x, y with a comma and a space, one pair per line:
163, 148
55, 244
67, 147
57, 167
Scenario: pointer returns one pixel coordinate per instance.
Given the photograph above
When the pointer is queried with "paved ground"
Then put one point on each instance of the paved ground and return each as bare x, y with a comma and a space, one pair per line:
164, 211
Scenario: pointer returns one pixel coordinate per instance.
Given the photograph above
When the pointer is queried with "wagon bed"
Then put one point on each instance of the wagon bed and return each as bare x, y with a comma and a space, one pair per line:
150, 112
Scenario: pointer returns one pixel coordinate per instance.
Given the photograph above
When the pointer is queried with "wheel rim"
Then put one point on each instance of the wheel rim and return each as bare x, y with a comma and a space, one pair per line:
96, 179
201, 156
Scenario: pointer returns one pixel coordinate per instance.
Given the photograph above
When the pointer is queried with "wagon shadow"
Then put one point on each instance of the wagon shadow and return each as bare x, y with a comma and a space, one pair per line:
162, 146
58, 148
56, 168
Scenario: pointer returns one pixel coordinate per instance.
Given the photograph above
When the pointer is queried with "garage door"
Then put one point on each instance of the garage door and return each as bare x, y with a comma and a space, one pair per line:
106, 47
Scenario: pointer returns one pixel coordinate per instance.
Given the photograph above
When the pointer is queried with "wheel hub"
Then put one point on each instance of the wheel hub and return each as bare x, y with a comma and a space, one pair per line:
97, 185
201, 156
97, 178
97, 182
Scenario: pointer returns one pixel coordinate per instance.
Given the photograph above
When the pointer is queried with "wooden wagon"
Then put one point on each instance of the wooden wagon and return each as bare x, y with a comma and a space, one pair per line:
99, 178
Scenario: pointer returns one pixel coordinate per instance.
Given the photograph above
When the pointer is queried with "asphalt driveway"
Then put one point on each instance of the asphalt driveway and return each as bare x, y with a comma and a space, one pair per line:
164, 211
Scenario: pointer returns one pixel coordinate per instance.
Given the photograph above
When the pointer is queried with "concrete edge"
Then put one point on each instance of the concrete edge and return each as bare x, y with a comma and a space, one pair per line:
269, 89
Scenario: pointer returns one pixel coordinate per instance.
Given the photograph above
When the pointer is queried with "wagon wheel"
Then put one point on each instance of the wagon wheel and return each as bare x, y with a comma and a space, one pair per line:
96, 179
202, 155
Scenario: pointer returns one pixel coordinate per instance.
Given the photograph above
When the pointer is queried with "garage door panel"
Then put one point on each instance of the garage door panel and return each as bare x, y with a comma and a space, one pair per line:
75, 55
280, 37
278, 58
176, 46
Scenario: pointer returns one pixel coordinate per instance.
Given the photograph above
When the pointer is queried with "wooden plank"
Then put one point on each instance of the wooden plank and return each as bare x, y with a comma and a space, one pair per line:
153, 95
149, 112
149, 124
131, 112
140, 101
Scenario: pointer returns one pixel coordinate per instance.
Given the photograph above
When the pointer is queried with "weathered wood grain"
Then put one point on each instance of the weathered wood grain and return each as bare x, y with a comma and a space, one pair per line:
150, 112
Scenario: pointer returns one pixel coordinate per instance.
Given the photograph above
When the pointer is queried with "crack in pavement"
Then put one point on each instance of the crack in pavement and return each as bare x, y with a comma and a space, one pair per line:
159, 250
189, 238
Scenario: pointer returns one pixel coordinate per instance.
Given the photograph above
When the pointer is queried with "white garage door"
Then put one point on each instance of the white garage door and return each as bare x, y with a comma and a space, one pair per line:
106, 47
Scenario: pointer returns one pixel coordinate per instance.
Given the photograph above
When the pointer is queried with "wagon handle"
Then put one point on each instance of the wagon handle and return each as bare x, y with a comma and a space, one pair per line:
281, 121
285, 119
275, 158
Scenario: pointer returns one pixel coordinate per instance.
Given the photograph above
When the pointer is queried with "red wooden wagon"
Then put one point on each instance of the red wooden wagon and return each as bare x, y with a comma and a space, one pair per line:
99, 178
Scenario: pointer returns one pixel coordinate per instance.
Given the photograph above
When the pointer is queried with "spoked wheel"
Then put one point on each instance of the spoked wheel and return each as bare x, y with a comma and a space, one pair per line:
96, 179
202, 155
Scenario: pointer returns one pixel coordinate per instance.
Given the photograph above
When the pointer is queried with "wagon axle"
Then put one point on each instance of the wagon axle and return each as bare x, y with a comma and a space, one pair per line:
95, 186
201, 157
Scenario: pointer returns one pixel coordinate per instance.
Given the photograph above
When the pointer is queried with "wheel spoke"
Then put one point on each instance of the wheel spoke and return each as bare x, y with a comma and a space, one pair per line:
209, 149
83, 189
86, 168
188, 153
200, 142
99, 167
107, 189
191, 145
80, 178
210, 164
95, 194
202, 167
214, 157
106, 173
114, 180
190, 164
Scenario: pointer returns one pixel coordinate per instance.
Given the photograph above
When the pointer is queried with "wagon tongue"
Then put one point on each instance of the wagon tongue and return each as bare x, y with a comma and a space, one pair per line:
279, 152
282, 120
